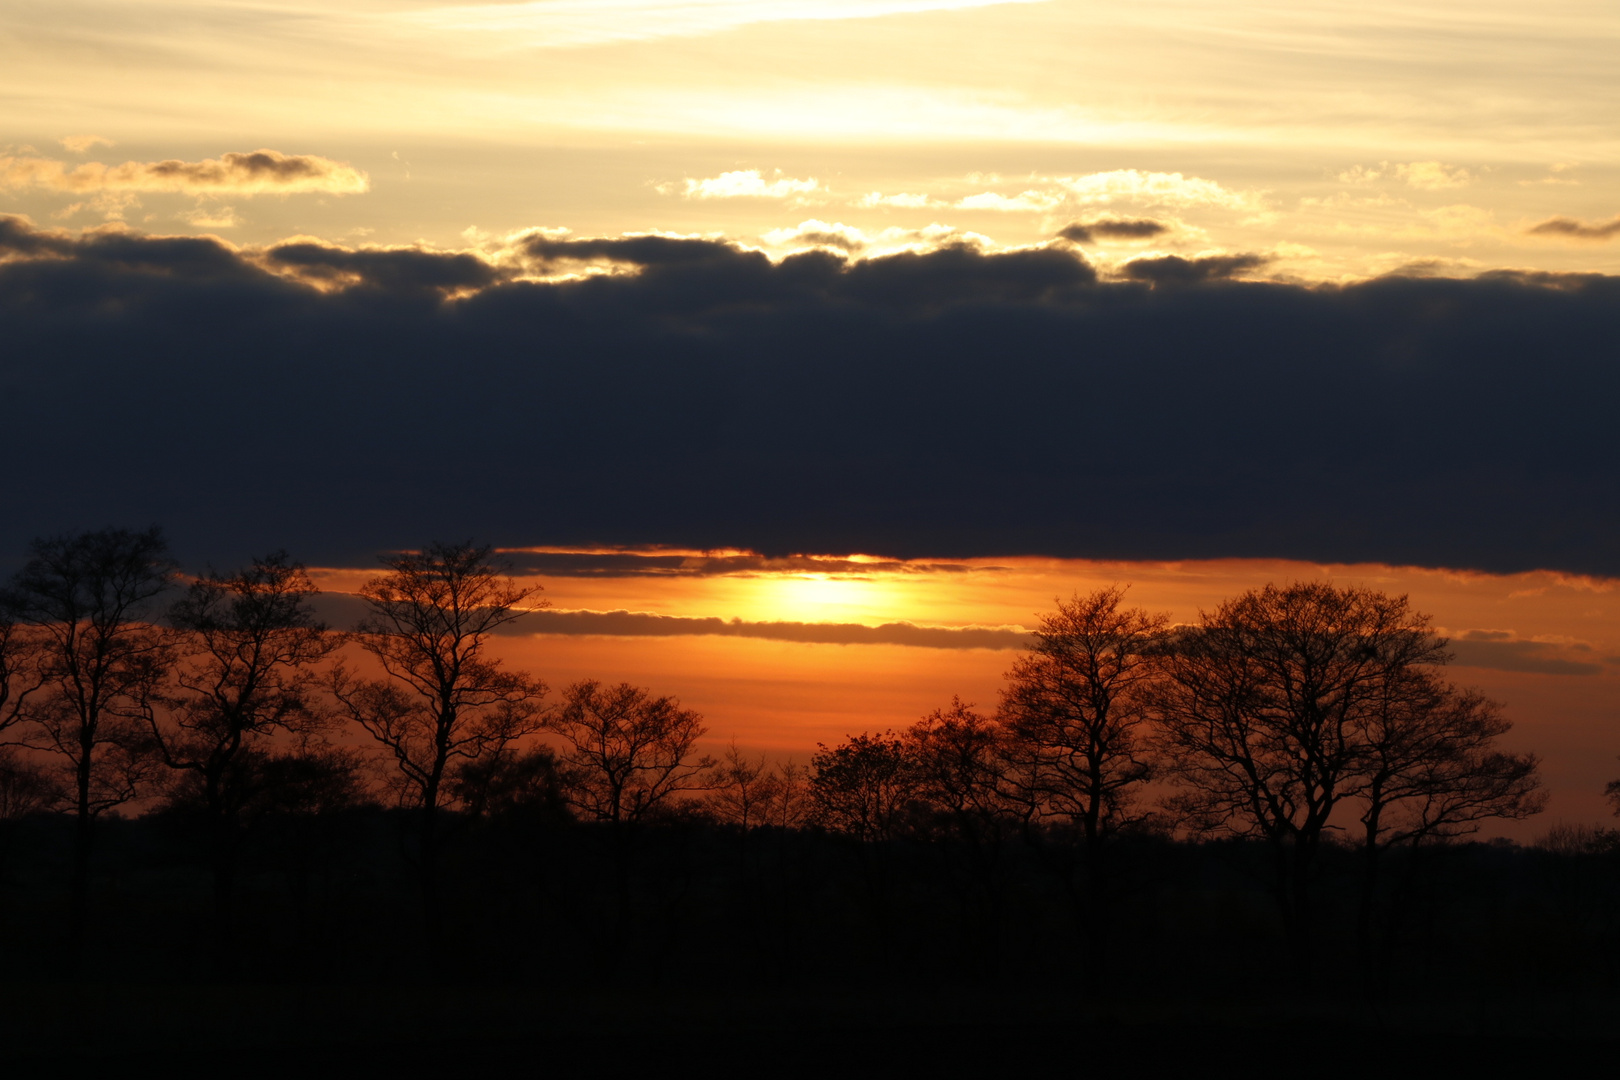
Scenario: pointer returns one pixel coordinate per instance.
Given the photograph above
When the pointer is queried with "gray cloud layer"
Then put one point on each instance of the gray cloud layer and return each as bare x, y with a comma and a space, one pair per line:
940, 405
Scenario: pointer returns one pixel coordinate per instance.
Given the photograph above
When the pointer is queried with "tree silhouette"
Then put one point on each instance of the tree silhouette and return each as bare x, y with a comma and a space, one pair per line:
244, 673
1430, 771
102, 659
629, 753
443, 700
743, 792
20, 674
1075, 707
868, 787
1265, 711
970, 809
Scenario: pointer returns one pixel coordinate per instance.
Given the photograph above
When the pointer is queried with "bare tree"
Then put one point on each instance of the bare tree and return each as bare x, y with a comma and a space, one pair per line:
1075, 708
1264, 714
868, 786
1430, 771
244, 672
961, 769
20, 672
743, 790
629, 753
102, 658
443, 700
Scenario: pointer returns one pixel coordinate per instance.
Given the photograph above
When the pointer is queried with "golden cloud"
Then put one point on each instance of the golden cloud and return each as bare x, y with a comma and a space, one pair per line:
745, 183
79, 144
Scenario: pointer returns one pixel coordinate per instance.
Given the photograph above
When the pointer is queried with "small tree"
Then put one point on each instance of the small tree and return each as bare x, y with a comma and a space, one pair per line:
245, 672
867, 787
102, 658
629, 754
743, 791
442, 701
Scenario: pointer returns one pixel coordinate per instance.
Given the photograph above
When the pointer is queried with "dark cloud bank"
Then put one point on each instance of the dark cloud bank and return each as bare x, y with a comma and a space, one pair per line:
949, 404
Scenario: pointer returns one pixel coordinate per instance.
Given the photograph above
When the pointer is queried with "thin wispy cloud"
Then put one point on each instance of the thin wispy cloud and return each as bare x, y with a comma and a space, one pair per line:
900, 200
848, 238
561, 24
1423, 175
1573, 229
261, 172
82, 144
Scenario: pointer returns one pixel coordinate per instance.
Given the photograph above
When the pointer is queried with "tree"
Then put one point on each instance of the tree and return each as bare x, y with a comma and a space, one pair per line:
970, 808
20, 674
868, 787
744, 792
102, 657
442, 701
1430, 771
1286, 705
244, 673
1075, 707
629, 754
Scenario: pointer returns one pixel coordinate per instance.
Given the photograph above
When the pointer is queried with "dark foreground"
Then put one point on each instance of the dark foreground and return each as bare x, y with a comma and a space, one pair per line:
330, 1031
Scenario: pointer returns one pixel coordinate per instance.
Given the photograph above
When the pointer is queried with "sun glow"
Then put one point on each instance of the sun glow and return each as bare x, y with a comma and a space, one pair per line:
827, 598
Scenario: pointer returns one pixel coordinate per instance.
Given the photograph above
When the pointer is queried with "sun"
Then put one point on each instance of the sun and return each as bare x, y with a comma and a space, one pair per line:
821, 598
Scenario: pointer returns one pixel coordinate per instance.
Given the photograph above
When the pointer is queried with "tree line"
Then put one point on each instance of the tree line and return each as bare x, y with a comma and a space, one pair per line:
1308, 727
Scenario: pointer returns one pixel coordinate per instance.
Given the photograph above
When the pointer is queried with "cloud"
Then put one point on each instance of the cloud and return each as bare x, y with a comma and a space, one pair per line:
1024, 202
396, 270
702, 564
818, 234
941, 403
1572, 229
899, 200
1423, 175
81, 144
1500, 650
1176, 270
561, 24
639, 624
211, 217
1154, 189
1089, 232
890, 241
745, 184
344, 611
261, 172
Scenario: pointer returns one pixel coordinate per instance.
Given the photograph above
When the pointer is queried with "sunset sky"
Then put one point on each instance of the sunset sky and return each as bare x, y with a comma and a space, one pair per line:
966, 304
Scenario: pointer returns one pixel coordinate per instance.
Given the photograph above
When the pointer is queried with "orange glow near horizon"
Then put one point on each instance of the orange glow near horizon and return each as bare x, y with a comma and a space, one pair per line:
1545, 644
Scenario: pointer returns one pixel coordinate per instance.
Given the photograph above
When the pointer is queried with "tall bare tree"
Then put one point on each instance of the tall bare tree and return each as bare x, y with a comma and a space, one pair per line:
1075, 708
244, 672
92, 597
443, 700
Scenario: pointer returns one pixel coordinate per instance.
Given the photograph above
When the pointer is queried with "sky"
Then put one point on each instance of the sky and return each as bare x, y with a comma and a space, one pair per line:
1058, 293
